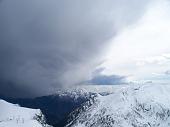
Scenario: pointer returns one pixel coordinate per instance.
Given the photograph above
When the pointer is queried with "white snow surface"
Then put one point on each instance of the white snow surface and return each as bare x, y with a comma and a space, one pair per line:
129, 106
12, 115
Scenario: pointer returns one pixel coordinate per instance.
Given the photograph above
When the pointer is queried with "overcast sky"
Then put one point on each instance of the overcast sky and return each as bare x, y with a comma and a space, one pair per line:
45, 45
142, 50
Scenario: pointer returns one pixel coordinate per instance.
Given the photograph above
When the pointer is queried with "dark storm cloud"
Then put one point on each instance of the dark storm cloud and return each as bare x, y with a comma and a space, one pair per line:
45, 44
98, 78
108, 80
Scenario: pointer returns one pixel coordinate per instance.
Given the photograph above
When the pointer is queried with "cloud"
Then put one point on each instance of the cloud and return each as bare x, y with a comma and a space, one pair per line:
49, 44
98, 78
160, 59
163, 74
142, 48
167, 72
108, 80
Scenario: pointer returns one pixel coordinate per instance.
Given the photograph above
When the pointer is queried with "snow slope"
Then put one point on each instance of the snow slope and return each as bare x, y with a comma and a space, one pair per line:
131, 106
12, 115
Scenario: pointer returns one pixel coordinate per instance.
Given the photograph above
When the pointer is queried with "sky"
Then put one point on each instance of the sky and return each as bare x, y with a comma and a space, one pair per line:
142, 50
46, 45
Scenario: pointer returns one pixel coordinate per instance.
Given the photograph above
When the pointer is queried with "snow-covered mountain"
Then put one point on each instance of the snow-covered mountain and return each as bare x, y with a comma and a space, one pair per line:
130, 106
12, 115
55, 107
58, 106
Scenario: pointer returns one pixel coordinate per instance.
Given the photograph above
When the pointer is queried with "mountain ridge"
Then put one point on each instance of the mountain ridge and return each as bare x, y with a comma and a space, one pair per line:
132, 106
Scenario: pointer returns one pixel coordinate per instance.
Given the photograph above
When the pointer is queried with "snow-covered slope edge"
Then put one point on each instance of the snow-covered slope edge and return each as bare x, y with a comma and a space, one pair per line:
131, 106
12, 115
